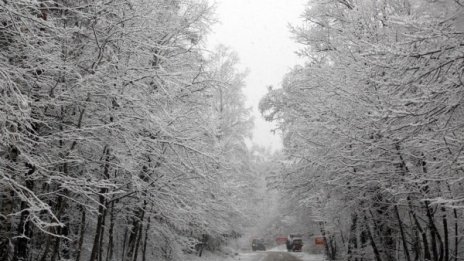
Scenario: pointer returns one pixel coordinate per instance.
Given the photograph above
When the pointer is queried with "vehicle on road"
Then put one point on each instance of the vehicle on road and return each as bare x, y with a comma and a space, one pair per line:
258, 244
297, 245
294, 243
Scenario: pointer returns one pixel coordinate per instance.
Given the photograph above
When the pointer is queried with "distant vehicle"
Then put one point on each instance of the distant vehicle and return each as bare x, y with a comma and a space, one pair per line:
294, 243
297, 245
258, 244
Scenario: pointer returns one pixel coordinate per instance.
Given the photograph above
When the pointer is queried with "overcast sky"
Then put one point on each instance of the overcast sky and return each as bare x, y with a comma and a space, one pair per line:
258, 31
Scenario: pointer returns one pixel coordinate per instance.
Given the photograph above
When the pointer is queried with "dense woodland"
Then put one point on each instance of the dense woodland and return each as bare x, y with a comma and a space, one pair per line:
373, 127
121, 138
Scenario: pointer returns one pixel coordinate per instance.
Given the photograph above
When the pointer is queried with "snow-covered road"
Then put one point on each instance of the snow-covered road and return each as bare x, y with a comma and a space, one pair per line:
274, 254
277, 254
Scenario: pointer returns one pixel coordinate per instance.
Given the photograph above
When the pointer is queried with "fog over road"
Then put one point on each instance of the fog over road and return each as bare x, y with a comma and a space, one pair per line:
268, 256
280, 256
277, 254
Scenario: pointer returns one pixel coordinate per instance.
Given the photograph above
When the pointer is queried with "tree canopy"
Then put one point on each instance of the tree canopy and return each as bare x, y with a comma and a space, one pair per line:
116, 131
372, 126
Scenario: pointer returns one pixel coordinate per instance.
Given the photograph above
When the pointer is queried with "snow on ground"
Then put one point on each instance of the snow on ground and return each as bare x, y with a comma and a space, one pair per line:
279, 248
249, 256
256, 256
207, 256
308, 257
301, 255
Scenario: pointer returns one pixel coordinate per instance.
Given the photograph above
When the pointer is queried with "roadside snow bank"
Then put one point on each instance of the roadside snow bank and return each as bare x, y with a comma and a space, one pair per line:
208, 256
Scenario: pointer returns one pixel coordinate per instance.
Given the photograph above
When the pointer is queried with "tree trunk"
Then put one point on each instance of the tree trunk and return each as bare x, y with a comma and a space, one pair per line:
81, 235
96, 241
329, 248
427, 255
352, 241
109, 251
146, 240
333, 247
24, 227
56, 246
139, 234
102, 233
66, 244
137, 223
132, 240
380, 232
21, 251
137, 244
417, 244
46, 249
6, 208
403, 236
371, 239
124, 245
134, 235
445, 234
456, 234
96, 249
433, 234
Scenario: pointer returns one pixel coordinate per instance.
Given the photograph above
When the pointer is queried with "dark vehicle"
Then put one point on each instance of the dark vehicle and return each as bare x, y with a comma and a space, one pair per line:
257, 244
294, 243
297, 245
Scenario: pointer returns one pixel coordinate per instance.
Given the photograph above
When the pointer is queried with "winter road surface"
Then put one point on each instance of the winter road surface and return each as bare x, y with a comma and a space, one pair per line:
278, 254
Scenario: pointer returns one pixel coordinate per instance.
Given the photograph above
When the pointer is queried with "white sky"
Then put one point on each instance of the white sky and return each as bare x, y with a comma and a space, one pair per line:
258, 31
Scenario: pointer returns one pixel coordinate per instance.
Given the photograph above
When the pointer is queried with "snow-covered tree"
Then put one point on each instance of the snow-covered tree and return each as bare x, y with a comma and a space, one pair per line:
370, 125
107, 149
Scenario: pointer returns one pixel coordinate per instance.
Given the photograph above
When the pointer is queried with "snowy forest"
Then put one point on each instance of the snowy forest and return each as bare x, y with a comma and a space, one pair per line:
124, 138
121, 138
373, 127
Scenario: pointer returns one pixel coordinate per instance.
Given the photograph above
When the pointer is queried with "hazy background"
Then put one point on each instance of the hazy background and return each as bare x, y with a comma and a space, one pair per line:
258, 31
